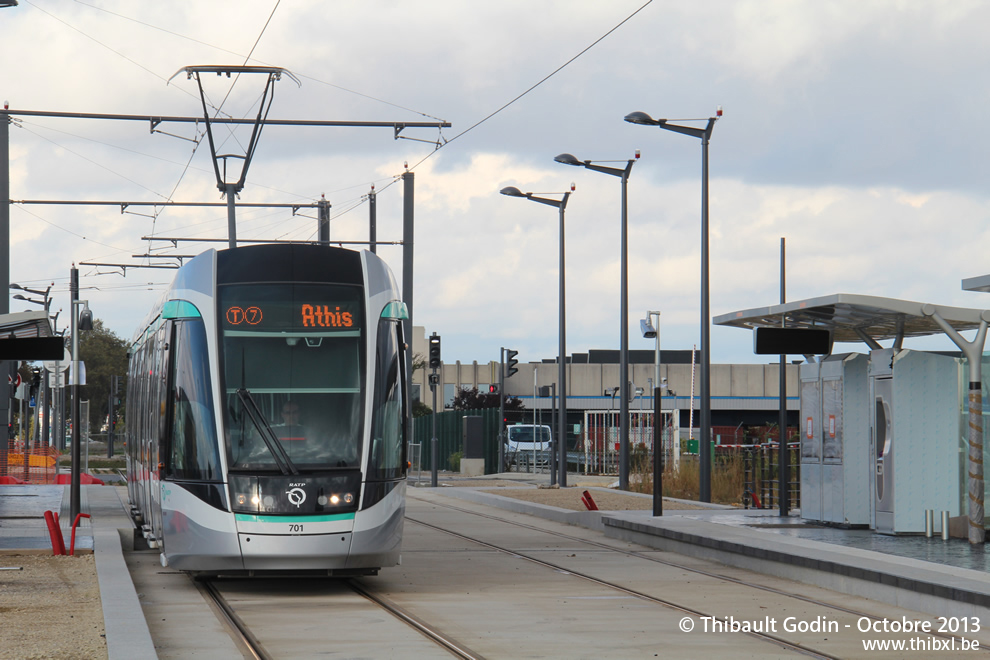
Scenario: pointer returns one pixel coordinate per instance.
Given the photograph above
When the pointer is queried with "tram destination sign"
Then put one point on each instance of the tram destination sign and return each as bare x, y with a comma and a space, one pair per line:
271, 309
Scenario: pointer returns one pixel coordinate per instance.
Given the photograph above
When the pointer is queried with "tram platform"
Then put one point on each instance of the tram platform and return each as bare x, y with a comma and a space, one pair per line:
23, 531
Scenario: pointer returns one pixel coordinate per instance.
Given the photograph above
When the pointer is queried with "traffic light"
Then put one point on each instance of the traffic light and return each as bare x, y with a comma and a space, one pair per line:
493, 389
435, 351
510, 362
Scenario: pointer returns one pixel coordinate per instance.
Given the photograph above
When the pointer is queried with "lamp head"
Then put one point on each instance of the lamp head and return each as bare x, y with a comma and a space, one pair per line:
568, 159
641, 118
15, 286
512, 191
85, 319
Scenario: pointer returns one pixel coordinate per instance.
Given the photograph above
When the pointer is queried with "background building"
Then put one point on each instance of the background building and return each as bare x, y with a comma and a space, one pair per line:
743, 395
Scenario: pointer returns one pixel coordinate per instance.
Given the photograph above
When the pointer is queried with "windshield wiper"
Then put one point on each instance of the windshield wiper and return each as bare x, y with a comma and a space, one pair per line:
278, 452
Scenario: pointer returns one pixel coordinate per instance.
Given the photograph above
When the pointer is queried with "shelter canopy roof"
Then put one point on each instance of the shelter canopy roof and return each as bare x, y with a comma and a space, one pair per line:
25, 325
855, 317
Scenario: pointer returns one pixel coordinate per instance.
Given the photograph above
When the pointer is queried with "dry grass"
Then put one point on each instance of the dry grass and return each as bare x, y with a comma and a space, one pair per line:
726, 480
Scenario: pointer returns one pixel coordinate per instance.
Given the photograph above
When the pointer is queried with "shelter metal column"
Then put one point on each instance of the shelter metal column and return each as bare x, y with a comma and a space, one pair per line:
974, 355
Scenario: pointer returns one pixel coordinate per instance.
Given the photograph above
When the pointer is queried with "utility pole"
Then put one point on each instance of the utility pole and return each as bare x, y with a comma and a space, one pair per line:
324, 221
435, 364
76, 442
5, 367
373, 220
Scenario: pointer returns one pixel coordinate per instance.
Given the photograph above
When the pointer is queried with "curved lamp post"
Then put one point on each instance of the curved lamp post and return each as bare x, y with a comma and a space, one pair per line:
704, 446
568, 159
560, 204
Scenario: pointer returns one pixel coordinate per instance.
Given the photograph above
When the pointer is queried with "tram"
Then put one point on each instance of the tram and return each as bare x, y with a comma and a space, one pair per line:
267, 414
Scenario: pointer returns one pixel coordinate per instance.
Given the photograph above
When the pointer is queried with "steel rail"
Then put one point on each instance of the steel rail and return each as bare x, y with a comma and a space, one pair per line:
242, 635
428, 631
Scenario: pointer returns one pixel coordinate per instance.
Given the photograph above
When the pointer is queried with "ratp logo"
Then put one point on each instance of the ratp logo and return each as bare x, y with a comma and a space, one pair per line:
296, 496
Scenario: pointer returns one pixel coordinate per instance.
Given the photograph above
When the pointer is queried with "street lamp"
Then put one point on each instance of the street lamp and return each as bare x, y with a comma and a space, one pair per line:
705, 134
18, 296
568, 159
560, 205
44, 294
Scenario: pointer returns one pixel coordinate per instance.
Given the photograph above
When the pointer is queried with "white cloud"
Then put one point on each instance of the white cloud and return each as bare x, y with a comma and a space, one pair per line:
850, 133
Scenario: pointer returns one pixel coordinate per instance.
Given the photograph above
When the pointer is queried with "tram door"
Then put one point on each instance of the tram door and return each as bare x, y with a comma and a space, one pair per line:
883, 453
157, 395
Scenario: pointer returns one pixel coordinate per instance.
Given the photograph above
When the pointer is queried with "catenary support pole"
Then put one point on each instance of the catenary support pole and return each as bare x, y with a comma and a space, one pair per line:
323, 229
783, 455
373, 220
5, 367
229, 191
408, 190
76, 424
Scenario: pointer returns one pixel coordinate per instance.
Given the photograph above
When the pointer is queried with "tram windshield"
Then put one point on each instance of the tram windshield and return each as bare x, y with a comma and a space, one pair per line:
292, 356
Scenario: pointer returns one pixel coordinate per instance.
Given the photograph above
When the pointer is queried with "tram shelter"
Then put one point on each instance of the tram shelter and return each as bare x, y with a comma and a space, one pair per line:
884, 433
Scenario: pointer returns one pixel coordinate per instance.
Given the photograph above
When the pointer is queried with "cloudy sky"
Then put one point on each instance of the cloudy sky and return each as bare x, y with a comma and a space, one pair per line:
853, 129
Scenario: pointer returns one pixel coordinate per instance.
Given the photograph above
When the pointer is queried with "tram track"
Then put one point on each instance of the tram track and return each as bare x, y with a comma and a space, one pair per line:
766, 637
238, 630
456, 648
653, 559
251, 647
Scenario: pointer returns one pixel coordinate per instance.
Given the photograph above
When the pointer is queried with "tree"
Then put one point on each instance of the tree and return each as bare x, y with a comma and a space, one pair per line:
472, 399
420, 409
105, 355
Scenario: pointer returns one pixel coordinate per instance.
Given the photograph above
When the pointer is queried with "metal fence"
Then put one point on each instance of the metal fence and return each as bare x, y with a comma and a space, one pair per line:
598, 447
449, 440
760, 475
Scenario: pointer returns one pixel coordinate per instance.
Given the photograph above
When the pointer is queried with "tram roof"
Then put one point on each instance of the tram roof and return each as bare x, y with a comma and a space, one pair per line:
849, 316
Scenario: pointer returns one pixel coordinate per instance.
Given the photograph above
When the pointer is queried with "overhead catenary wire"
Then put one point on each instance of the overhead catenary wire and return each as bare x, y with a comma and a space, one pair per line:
262, 62
486, 118
527, 91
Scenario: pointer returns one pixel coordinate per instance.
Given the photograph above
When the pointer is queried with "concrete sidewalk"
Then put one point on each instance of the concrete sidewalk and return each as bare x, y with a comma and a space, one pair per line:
23, 530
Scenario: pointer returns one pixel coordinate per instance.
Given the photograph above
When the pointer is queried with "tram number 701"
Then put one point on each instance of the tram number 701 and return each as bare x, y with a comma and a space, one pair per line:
295, 527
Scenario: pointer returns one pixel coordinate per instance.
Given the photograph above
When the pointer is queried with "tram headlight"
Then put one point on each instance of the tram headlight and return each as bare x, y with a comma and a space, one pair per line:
255, 500
335, 499
349, 498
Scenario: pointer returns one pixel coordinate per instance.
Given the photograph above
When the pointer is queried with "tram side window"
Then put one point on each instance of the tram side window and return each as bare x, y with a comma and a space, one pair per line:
387, 460
194, 451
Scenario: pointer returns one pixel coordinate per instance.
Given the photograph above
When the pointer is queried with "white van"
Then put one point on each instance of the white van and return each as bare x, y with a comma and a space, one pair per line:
526, 442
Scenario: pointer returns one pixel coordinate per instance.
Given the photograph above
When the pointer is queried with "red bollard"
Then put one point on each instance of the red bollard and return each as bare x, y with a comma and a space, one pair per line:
72, 544
55, 532
588, 501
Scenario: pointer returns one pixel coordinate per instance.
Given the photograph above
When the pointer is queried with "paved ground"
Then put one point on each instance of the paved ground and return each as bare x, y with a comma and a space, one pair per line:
757, 540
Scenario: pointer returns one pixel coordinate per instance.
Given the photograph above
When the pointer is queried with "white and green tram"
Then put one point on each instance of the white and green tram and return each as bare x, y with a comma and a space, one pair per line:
267, 414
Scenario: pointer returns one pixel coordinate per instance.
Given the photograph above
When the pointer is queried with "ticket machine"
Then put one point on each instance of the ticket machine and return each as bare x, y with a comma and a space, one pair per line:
835, 441
916, 442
